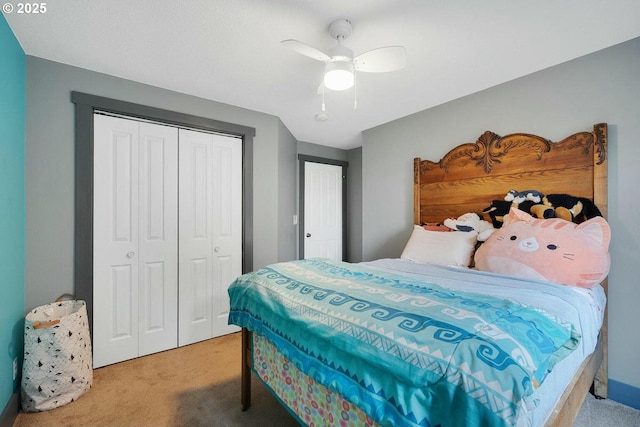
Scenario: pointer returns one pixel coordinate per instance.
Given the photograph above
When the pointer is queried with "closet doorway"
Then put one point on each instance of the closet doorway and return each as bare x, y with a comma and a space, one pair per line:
147, 208
167, 231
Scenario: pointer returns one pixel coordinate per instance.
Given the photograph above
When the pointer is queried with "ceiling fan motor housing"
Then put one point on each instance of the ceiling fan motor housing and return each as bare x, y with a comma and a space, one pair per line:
341, 53
340, 28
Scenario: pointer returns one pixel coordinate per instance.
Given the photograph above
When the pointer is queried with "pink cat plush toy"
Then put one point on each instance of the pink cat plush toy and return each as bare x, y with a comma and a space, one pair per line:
552, 249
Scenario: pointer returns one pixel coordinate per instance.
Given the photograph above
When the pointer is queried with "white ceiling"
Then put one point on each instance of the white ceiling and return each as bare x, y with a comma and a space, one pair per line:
229, 50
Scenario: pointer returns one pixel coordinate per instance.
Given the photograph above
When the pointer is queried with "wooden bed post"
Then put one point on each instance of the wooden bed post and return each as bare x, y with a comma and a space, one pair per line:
601, 380
245, 375
416, 190
600, 198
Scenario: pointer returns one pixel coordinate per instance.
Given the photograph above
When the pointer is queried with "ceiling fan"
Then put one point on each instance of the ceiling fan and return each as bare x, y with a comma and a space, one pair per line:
340, 64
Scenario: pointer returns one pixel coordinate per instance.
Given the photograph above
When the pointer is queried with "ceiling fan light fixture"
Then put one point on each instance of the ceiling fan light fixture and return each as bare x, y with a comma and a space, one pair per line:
341, 65
338, 75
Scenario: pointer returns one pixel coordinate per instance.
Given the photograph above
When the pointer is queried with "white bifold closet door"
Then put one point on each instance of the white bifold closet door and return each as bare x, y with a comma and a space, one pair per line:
210, 232
135, 237
167, 236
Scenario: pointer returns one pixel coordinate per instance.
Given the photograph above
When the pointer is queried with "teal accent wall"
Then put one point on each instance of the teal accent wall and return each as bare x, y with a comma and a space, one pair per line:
12, 207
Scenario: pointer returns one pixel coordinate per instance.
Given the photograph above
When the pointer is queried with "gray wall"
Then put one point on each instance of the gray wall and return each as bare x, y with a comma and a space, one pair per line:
287, 191
309, 149
554, 103
354, 206
50, 171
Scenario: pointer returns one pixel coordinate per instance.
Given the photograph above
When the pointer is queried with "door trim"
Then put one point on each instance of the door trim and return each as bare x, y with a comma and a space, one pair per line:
302, 158
85, 106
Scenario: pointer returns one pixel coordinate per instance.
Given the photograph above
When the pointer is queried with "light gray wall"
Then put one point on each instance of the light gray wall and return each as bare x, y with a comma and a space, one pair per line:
287, 205
354, 205
310, 149
554, 103
50, 168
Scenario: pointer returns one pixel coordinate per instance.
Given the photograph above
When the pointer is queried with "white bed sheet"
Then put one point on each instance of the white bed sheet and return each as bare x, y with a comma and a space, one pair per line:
584, 308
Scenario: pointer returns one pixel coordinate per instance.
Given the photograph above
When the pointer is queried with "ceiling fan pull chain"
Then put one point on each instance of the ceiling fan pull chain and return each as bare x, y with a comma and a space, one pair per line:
322, 116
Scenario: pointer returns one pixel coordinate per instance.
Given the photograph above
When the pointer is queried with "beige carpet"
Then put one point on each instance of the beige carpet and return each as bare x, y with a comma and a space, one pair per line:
199, 385
196, 385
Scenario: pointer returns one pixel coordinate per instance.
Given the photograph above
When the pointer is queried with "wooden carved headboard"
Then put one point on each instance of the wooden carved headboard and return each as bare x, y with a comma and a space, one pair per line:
471, 175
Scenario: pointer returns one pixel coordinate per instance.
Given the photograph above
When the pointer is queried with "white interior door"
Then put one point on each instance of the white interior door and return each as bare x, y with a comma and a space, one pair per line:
135, 239
322, 211
210, 232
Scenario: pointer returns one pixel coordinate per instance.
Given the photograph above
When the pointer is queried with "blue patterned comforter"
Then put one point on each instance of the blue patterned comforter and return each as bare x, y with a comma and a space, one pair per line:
408, 352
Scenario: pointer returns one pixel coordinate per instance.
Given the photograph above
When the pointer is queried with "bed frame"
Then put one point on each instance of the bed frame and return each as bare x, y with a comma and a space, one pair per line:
469, 176
472, 174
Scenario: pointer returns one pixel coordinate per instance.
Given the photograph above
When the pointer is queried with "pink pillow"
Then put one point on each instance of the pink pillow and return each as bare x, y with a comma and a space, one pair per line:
552, 249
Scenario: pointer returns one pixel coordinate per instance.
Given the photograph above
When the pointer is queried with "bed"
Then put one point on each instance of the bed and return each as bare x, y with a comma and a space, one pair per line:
367, 357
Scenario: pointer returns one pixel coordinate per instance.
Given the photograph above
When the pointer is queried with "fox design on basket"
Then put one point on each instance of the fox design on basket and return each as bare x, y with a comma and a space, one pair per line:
553, 249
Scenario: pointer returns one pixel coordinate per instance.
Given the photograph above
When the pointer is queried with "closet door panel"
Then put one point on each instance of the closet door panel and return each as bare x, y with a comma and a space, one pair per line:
227, 226
210, 232
152, 295
121, 292
158, 240
115, 233
195, 241
199, 289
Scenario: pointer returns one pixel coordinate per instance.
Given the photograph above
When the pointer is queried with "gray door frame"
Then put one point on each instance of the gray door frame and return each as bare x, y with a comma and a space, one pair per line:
302, 158
85, 106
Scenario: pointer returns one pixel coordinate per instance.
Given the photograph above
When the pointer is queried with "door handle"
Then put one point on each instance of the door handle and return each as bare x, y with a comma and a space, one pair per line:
131, 255
308, 234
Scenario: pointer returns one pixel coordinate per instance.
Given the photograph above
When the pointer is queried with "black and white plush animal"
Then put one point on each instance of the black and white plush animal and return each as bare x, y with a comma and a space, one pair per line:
499, 208
518, 197
496, 211
567, 207
471, 221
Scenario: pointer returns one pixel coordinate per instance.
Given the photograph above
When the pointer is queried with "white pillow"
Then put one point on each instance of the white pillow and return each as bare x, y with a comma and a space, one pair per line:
444, 248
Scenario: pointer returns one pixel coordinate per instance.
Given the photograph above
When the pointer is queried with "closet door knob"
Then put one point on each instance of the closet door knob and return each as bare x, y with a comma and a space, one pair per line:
216, 249
131, 255
308, 234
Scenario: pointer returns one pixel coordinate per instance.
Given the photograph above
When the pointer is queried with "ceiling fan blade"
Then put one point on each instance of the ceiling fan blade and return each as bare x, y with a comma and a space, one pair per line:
381, 60
306, 50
